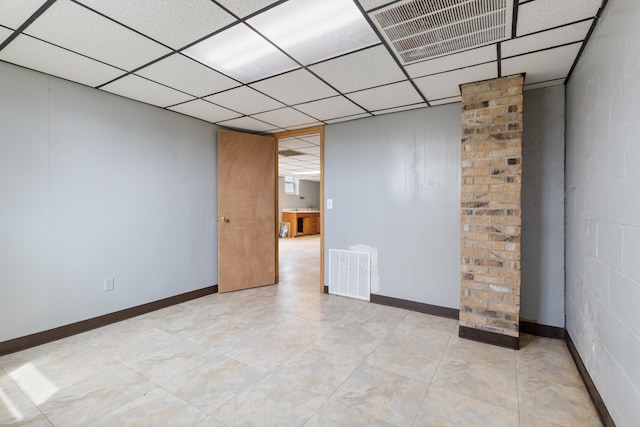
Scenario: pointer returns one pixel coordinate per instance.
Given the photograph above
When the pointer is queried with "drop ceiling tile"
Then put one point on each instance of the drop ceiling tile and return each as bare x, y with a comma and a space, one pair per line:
135, 87
285, 117
294, 144
543, 14
314, 31
188, 20
13, 13
185, 74
550, 83
374, 4
446, 85
307, 158
241, 53
346, 119
285, 163
47, 58
279, 130
313, 139
242, 8
291, 162
76, 28
360, 70
299, 166
546, 39
205, 110
4, 34
283, 166
389, 96
454, 61
330, 108
315, 150
397, 109
295, 87
306, 125
245, 100
541, 66
247, 123
444, 101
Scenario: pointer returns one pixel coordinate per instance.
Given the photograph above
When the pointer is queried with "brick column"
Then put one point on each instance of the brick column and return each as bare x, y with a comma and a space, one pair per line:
490, 210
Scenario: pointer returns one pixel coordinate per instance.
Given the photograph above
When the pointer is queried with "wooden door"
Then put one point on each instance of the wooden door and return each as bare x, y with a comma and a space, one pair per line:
247, 205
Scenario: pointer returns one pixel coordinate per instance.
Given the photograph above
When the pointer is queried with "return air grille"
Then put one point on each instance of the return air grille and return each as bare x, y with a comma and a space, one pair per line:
349, 274
421, 29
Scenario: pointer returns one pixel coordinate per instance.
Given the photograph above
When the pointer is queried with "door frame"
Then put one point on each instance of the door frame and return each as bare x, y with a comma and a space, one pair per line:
295, 133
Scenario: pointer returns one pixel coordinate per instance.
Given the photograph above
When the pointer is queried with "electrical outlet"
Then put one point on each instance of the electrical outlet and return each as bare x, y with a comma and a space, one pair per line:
109, 283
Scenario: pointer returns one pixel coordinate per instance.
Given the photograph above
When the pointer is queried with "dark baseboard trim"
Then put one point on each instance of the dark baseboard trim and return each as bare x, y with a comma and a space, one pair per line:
326, 289
540, 330
601, 408
65, 331
489, 337
526, 327
436, 310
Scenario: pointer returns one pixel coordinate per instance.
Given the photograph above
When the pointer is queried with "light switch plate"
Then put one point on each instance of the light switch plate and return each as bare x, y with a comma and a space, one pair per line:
329, 203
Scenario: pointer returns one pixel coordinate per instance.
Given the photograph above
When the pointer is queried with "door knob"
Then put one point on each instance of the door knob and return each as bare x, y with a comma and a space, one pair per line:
223, 219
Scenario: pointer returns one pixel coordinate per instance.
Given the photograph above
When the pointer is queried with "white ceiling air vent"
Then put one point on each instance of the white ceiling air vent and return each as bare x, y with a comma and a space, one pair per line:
421, 29
290, 153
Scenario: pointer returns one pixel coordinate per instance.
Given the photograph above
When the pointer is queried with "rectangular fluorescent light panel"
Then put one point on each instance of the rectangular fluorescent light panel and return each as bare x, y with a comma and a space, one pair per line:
242, 54
312, 31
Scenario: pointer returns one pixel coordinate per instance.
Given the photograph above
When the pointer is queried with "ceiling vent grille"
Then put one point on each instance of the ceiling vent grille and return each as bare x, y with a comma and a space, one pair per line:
290, 153
422, 29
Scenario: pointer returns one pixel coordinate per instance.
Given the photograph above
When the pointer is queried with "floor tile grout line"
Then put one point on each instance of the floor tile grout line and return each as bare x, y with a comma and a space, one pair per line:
363, 361
432, 377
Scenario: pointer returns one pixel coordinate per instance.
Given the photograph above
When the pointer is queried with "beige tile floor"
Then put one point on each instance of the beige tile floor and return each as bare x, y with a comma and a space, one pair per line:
288, 355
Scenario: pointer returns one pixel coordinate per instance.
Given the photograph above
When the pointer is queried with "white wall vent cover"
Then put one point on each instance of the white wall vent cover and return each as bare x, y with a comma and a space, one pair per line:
421, 29
349, 273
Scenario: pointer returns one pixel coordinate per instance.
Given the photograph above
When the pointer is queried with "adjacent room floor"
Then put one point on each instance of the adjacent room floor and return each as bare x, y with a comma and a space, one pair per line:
289, 355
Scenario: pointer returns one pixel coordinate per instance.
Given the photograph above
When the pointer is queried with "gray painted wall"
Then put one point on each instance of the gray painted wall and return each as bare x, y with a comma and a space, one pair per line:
395, 185
542, 245
91, 186
603, 209
310, 190
395, 182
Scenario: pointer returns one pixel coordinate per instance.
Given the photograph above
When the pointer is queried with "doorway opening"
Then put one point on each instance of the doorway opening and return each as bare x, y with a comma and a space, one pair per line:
300, 205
